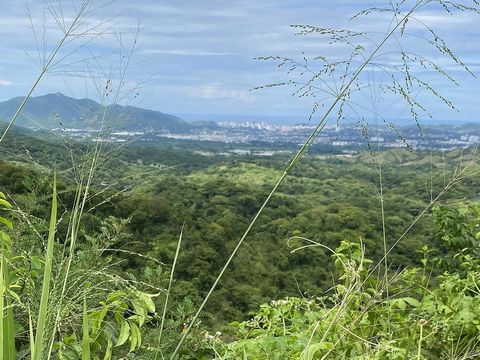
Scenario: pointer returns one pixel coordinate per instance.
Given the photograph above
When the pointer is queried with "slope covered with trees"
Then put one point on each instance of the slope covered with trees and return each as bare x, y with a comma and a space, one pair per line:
330, 202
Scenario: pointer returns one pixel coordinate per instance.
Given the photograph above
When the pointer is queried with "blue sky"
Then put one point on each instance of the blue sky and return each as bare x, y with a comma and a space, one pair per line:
197, 57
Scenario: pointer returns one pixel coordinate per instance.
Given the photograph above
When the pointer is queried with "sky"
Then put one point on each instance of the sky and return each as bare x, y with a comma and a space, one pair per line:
199, 57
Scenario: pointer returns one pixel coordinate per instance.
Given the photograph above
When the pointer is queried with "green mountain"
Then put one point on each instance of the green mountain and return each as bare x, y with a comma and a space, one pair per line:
59, 111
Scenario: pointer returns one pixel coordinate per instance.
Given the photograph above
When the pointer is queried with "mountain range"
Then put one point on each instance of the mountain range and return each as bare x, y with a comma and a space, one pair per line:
52, 111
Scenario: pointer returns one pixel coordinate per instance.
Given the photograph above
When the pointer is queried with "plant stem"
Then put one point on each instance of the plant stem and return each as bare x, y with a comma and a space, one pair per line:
164, 313
47, 275
419, 351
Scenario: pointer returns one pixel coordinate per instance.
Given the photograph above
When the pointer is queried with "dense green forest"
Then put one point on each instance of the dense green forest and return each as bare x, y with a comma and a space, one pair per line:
140, 203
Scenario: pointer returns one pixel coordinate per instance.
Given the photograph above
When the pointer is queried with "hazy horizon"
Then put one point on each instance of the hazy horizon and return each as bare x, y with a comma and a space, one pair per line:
277, 119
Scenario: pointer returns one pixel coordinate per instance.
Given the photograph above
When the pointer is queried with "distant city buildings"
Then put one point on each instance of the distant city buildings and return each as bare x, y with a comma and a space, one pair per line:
345, 137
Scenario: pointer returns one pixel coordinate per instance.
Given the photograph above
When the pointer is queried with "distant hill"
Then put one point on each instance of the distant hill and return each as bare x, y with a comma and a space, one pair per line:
59, 111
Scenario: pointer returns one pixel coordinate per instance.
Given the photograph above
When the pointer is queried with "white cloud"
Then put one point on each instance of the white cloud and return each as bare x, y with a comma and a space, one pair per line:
5, 83
185, 52
216, 91
442, 19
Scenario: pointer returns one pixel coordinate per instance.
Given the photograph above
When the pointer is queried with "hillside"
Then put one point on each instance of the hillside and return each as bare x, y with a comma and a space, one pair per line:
59, 111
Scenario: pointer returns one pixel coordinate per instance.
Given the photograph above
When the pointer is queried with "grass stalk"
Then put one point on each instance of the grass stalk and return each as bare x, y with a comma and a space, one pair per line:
47, 275
7, 339
164, 313
384, 234
8, 325
82, 196
420, 340
86, 336
30, 333
2, 288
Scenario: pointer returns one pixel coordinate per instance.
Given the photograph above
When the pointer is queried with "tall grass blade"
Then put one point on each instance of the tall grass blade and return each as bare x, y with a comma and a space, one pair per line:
47, 275
1, 307
30, 333
168, 293
7, 337
7, 334
86, 336
8, 325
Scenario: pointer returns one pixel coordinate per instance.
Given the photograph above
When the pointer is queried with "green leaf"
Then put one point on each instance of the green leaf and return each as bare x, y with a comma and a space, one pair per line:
400, 303
140, 311
411, 301
108, 351
7, 241
124, 332
6, 222
149, 304
5, 203
135, 337
97, 318
312, 349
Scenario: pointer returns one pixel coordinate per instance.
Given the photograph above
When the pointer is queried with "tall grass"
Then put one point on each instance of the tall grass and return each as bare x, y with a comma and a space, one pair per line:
85, 335
7, 329
78, 26
47, 277
167, 295
2, 308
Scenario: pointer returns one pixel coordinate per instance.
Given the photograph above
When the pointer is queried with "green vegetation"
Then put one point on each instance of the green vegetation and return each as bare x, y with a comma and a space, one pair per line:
332, 201
362, 319
147, 252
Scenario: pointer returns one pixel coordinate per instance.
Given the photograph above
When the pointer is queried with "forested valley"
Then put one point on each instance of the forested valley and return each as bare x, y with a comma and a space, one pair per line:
145, 196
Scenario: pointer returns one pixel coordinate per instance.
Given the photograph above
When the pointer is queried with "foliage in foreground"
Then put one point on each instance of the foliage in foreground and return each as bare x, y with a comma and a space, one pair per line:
407, 316
96, 311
